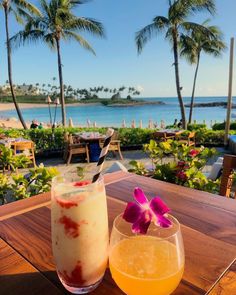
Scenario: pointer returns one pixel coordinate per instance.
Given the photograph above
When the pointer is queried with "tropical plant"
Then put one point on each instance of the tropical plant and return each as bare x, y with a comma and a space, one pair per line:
19, 9
9, 160
57, 22
20, 186
197, 42
173, 24
182, 164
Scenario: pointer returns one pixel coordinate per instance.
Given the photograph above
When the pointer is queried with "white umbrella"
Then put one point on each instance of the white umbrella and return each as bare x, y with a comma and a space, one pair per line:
150, 124
71, 123
123, 124
141, 124
133, 124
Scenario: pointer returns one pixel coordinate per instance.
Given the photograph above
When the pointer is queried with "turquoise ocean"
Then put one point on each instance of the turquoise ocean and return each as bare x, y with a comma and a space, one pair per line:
113, 116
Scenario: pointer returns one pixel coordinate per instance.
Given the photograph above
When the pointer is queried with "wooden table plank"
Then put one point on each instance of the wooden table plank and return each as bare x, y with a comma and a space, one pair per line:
203, 253
210, 214
210, 245
17, 276
227, 284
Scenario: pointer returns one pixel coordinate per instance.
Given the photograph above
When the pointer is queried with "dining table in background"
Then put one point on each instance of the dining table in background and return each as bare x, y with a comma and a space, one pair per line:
9, 141
92, 139
208, 224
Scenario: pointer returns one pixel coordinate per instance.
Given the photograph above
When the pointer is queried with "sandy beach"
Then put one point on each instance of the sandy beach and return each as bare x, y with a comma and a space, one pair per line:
14, 121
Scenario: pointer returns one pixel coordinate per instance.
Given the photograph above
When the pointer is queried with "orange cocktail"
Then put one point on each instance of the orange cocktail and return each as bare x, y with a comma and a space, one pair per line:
150, 264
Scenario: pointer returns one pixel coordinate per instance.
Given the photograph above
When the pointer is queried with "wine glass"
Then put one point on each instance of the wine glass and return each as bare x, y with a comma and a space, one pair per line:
146, 264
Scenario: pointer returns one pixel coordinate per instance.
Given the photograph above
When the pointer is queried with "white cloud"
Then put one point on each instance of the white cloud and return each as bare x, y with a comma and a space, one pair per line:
139, 88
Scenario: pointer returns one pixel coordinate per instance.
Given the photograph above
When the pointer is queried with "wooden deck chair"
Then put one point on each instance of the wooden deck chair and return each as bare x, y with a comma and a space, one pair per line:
114, 145
229, 165
24, 148
76, 149
190, 140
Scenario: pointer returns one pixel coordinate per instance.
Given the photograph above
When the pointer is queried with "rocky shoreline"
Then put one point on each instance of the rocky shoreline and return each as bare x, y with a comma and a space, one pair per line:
133, 104
209, 104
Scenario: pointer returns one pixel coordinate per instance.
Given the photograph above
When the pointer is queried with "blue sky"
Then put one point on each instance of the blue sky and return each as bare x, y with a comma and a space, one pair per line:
116, 62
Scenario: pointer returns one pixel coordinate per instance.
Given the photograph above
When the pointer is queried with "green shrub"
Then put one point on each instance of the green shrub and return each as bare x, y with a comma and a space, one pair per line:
221, 126
182, 164
194, 127
18, 186
46, 141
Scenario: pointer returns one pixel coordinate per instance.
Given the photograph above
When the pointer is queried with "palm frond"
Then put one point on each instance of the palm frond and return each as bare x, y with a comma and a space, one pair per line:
201, 5
159, 24
23, 37
67, 35
17, 15
27, 5
85, 24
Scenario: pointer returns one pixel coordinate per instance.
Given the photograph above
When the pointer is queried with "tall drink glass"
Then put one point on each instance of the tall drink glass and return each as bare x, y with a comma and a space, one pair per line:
79, 233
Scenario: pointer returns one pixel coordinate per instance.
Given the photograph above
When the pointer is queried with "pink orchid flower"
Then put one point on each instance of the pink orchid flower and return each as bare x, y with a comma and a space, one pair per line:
142, 212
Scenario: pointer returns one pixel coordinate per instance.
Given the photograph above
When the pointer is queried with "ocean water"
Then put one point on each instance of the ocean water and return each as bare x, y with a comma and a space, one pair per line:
113, 116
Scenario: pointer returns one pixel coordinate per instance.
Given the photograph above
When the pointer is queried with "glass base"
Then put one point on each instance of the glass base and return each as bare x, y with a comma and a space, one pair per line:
80, 290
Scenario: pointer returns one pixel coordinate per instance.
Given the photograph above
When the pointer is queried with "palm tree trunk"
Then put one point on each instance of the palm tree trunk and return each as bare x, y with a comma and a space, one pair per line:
177, 80
193, 91
10, 69
62, 99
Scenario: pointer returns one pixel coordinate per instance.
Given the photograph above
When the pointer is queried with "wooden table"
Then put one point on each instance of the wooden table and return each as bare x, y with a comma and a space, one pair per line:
92, 138
208, 227
8, 141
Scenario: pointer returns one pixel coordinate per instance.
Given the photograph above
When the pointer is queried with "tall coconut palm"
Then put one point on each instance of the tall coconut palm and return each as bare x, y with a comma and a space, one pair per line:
18, 8
172, 25
58, 22
197, 42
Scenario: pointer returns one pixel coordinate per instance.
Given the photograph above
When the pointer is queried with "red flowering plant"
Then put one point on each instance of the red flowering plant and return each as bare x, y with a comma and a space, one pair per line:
142, 212
181, 164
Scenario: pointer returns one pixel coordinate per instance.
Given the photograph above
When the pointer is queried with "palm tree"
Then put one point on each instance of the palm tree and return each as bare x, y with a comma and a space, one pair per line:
56, 23
193, 44
173, 24
18, 8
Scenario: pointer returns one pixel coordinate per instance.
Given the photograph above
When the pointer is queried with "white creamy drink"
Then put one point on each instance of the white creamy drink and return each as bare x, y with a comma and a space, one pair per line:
79, 233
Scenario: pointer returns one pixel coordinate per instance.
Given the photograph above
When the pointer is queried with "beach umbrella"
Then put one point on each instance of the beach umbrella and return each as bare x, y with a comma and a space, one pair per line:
49, 101
162, 124
88, 122
94, 124
141, 124
150, 124
123, 124
133, 124
71, 122
229, 104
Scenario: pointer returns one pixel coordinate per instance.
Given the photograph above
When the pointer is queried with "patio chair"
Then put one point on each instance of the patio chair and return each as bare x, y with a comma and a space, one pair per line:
76, 149
114, 145
190, 140
229, 165
25, 148
162, 136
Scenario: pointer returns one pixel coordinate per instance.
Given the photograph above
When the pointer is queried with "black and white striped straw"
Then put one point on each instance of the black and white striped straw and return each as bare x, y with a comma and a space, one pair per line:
103, 153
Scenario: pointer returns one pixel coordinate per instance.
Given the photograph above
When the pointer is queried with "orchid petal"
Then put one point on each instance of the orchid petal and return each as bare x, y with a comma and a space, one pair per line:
158, 206
142, 224
163, 221
140, 196
132, 212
